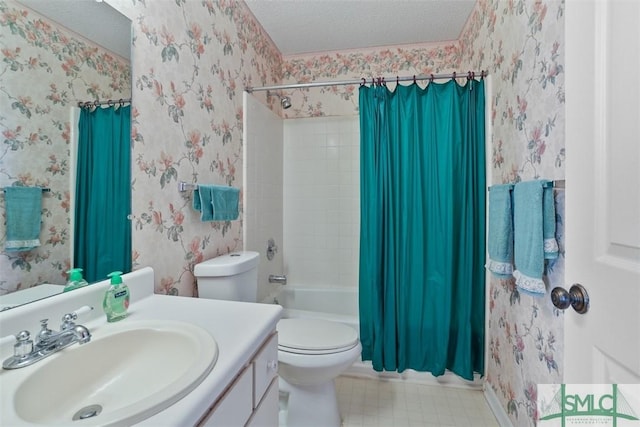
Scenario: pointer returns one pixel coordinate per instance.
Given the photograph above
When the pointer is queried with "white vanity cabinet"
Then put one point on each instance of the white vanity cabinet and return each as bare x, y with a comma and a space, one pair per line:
252, 397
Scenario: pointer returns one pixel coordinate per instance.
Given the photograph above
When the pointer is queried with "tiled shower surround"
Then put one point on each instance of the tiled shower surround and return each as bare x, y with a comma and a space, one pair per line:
322, 201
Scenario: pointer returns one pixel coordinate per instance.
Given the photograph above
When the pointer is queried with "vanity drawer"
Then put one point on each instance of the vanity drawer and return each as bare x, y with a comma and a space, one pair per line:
235, 407
265, 368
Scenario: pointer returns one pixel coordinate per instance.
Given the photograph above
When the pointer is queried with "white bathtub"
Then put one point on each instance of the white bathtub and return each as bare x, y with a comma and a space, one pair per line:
341, 305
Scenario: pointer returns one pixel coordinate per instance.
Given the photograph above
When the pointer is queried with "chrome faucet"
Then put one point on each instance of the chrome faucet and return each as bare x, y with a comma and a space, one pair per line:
25, 353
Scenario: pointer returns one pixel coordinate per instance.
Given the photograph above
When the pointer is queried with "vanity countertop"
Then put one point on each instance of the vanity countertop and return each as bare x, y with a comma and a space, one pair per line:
238, 328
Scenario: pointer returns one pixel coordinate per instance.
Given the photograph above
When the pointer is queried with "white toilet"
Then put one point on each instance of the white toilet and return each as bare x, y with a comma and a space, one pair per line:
311, 352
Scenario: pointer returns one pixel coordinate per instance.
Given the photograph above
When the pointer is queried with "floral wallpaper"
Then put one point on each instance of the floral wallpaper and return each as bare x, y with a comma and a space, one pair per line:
521, 44
402, 61
45, 70
191, 63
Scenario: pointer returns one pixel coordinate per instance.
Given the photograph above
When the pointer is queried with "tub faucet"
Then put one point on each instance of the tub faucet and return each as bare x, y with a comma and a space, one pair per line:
26, 353
273, 278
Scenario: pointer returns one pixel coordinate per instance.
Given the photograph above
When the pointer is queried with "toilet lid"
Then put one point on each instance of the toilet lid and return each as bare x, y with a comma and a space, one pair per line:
315, 336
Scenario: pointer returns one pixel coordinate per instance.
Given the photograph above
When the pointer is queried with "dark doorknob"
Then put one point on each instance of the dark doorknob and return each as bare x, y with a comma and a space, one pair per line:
577, 297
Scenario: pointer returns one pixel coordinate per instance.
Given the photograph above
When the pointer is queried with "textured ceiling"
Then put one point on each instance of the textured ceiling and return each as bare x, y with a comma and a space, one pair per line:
306, 26
295, 26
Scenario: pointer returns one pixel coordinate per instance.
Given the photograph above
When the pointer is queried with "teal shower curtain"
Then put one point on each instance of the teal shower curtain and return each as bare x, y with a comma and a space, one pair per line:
102, 233
422, 235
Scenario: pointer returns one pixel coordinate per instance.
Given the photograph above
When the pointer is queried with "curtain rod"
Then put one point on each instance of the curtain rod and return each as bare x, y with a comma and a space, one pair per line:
376, 80
110, 102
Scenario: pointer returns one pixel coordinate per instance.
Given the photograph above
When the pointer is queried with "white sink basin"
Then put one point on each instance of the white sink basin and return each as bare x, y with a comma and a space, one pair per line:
124, 376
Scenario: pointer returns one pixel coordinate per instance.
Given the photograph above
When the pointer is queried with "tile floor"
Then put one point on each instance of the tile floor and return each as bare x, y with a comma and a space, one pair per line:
377, 403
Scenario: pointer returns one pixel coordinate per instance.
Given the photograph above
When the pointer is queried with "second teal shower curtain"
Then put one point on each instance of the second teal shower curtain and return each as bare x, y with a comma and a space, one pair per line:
422, 239
102, 234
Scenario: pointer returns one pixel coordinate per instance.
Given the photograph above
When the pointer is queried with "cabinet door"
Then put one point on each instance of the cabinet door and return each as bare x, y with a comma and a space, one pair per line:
266, 414
265, 368
236, 406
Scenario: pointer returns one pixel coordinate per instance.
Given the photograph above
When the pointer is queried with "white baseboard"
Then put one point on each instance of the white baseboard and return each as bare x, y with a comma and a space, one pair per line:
496, 407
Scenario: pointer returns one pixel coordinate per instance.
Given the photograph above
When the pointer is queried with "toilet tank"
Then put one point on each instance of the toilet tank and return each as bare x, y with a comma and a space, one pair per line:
231, 277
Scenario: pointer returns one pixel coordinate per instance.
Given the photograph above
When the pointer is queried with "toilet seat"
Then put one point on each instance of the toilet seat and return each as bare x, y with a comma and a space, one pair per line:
315, 336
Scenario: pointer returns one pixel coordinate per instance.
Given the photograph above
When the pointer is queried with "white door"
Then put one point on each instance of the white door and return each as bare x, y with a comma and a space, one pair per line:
603, 189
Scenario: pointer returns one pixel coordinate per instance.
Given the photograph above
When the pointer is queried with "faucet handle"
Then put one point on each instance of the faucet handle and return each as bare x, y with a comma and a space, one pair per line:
69, 318
68, 321
23, 345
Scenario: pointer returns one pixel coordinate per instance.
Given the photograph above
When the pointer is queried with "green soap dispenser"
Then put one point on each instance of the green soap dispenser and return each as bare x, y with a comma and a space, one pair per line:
116, 299
75, 280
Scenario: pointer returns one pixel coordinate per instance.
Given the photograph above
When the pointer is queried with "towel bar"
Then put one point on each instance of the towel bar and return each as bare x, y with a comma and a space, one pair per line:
185, 186
559, 184
44, 189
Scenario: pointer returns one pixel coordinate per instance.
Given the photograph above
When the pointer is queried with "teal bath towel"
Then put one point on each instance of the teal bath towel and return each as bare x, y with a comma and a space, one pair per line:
500, 241
533, 223
23, 210
216, 203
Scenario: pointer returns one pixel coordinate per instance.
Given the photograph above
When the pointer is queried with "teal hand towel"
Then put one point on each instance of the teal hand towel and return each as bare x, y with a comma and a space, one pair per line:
216, 203
225, 201
23, 210
528, 225
202, 202
500, 239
